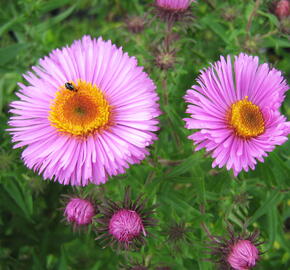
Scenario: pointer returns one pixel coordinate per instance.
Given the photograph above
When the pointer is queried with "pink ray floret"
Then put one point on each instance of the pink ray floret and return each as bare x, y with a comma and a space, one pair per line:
129, 92
219, 87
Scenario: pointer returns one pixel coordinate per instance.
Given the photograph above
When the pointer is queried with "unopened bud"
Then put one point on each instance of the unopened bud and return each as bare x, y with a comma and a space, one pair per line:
135, 24
243, 255
165, 59
282, 9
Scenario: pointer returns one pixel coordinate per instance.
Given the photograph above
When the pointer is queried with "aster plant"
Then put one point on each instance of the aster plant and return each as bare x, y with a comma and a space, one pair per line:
88, 112
124, 224
178, 40
235, 107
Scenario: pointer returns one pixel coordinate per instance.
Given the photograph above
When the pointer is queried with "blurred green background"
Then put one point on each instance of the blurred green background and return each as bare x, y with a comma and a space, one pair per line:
32, 234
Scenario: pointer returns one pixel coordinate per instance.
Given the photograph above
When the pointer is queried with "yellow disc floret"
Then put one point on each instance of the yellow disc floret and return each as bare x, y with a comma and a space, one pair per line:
246, 119
81, 110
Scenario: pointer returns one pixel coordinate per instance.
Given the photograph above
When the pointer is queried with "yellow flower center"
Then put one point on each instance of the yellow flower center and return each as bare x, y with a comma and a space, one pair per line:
79, 109
246, 119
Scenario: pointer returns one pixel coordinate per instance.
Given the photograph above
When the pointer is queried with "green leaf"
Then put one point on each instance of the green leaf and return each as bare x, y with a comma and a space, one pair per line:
56, 20
22, 199
10, 52
53, 4
276, 42
269, 204
200, 187
216, 27
63, 261
272, 18
5, 27
185, 166
272, 218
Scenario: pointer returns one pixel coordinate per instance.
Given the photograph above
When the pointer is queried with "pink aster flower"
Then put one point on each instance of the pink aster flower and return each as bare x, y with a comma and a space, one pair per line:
88, 112
243, 255
236, 109
124, 224
79, 212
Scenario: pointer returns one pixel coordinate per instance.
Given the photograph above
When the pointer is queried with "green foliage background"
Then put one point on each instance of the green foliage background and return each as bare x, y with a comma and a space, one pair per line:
174, 177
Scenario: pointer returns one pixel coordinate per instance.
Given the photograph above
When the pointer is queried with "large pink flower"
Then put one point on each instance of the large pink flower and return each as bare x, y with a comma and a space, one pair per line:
88, 112
235, 107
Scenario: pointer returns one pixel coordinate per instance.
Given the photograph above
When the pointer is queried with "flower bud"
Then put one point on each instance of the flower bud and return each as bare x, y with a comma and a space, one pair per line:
230, 13
173, 10
177, 232
135, 24
243, 255
79, 212
126, 225
165, 59
174, 5
282, 9
237, 252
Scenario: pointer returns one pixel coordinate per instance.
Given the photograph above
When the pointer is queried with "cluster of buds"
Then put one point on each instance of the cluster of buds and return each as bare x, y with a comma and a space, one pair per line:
124, 223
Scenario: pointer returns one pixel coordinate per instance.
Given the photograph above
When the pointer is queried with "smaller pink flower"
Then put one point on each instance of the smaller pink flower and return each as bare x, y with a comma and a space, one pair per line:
176, 5
243, 255
126, 225
79, 212
282, 9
